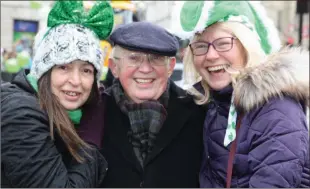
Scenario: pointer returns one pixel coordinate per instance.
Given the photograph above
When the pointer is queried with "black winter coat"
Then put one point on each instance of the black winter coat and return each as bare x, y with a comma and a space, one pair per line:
29, 157
176, 157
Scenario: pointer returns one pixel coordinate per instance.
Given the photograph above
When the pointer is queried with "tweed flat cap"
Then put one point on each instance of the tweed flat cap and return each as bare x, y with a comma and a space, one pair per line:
145, 37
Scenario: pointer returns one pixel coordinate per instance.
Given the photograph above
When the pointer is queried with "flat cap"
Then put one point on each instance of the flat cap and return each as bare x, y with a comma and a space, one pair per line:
145, 37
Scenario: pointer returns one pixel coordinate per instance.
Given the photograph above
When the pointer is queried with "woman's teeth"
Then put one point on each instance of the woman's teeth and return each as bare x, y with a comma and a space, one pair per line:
144, 80
216, 68
71, 93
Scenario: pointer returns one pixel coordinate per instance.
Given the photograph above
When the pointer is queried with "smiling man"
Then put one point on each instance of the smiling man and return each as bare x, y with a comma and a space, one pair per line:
153, 129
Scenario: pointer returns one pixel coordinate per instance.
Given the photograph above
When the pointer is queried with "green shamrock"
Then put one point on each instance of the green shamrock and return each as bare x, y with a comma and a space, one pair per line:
233, 112
233, 125
230, 136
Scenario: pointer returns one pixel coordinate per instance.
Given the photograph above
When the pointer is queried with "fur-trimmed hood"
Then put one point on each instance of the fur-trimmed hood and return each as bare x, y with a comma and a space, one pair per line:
285, 72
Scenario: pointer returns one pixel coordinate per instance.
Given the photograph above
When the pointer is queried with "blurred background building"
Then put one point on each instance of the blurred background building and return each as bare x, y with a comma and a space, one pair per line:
20, 21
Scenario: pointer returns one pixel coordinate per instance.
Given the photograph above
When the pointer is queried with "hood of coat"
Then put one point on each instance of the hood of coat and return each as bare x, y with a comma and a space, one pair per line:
284, 73
19, 83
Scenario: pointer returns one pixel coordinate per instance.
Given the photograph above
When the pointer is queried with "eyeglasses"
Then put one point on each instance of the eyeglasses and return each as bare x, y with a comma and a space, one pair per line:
220, 45
136, 59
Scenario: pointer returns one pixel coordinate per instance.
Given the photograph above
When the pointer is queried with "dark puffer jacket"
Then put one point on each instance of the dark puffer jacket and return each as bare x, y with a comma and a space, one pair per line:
29, 157
273, 139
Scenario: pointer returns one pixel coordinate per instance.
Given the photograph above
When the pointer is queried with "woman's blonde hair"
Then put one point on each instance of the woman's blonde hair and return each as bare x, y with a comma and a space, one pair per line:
253, 52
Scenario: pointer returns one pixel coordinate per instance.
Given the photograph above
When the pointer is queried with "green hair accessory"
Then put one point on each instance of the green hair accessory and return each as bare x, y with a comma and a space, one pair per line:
100, 18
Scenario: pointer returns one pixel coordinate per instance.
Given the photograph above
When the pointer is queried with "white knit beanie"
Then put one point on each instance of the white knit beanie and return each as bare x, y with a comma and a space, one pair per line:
72, 34
64, 44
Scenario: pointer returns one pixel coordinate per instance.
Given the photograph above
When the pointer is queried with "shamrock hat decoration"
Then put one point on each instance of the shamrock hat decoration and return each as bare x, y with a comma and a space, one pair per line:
195, 16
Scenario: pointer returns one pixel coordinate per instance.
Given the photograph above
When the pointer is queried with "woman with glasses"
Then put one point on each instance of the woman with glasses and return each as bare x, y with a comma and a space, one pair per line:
255, 130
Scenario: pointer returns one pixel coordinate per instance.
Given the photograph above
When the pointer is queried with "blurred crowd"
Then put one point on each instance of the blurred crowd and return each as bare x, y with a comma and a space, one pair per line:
13, 61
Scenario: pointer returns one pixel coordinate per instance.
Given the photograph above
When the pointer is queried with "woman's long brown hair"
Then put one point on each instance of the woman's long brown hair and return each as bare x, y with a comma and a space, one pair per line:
58, 116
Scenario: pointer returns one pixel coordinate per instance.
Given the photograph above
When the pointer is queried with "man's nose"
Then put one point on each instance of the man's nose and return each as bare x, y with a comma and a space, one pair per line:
146, 65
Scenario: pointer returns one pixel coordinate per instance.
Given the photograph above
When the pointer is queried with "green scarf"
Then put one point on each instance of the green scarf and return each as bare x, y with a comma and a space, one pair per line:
75, 115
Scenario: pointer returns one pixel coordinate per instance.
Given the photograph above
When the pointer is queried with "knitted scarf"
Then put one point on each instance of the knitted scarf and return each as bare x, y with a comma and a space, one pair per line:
146, 119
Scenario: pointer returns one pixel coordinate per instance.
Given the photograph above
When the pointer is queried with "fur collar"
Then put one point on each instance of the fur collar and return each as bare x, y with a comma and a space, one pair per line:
285, 72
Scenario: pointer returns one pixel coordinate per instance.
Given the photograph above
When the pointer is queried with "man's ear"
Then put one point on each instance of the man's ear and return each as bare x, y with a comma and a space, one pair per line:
172, 62
113, 67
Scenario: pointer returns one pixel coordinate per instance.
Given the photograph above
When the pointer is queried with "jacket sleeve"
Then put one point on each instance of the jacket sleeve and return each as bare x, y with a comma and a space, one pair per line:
279, 146
29, 156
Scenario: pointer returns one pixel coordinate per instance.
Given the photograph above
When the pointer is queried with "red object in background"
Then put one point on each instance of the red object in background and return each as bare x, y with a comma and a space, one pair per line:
290, 40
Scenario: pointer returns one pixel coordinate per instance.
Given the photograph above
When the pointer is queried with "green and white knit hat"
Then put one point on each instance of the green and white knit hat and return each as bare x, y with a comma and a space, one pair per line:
72, 34
195, 16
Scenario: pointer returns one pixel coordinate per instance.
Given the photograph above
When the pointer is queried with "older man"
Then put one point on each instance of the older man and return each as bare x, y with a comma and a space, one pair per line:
152, 128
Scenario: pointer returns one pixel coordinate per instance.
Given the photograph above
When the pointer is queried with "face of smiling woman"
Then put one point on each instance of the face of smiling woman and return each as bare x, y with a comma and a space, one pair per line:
210, 62
72, 83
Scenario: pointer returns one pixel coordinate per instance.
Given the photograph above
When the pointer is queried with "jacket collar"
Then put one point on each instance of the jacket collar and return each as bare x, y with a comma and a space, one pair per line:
178, 114
283, 73
21, 81
223, 95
